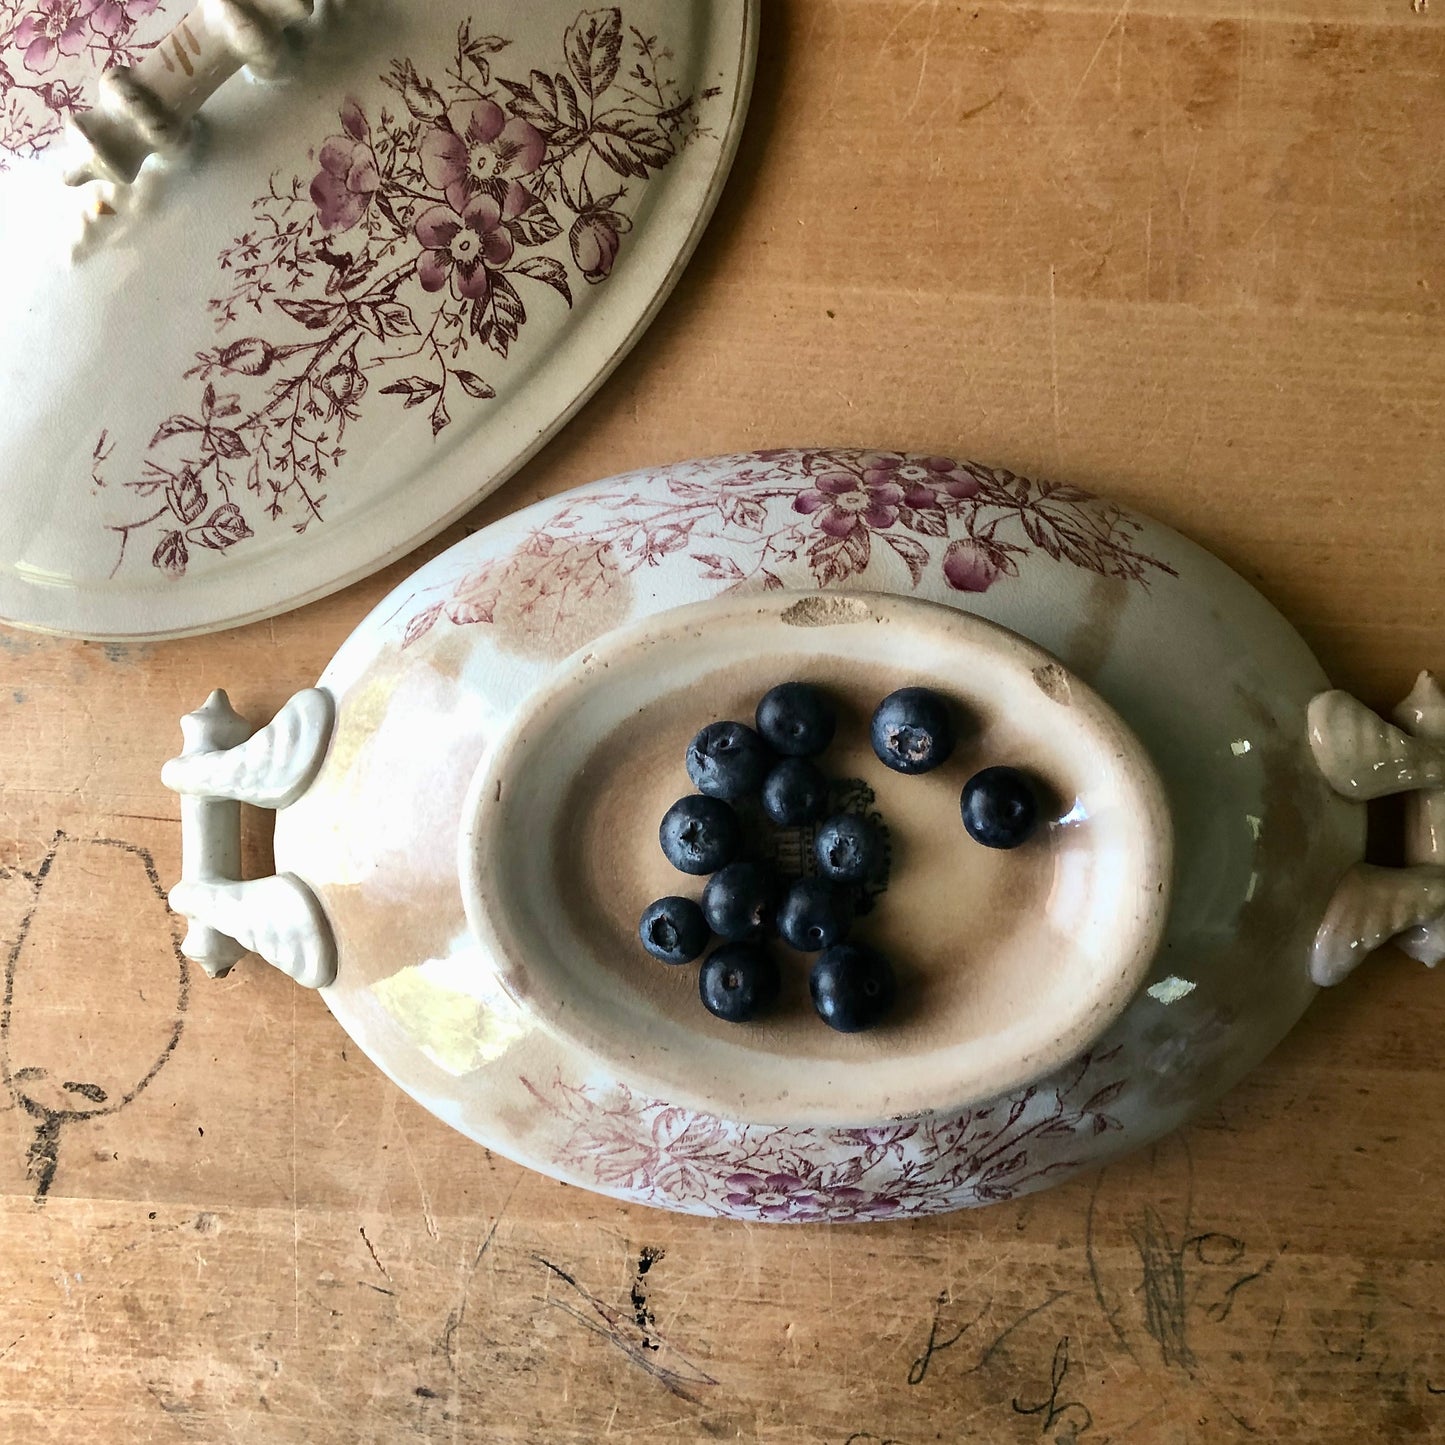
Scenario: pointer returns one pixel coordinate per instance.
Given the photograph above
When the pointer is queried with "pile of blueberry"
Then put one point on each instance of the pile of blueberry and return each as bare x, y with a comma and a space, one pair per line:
771, 766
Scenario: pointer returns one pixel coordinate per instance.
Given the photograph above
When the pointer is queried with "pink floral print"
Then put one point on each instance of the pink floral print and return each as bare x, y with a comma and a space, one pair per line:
462, 246
623, 1143
478, 144
803, 520
50, 53
348, 179
843, 500
431, 223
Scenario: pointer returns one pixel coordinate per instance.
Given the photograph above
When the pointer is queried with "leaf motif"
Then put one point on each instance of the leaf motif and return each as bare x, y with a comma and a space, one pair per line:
473, 385
926, 521
440, 416
742, 511
222, 528
416, 389
551, 105
228, 443
915, 554
630, 145
593, 44
420, 625
719, 569
535, 226
771, 582
551, 272
313, 315
1105, 1097
386, 319
187, 497
497, 320
171, 554
174, 426
475, 599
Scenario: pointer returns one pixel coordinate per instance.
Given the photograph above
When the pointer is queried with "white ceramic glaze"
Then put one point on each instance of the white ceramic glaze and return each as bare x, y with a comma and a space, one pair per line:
356, 299
1212, 682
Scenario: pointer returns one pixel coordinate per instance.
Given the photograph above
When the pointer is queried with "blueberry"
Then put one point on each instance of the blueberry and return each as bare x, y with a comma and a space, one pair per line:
699, 835
815, 914
738, 902
848, 849
673, 929
738, 981
728, 760
852, 987
911, 730
796, 719
1000, 807
794, 793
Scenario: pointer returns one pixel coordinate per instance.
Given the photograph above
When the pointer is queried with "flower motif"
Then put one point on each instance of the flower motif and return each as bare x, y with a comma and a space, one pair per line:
54, 28
343, 387
344, 186
973, 566
595, 238
842, 500
921, 478
478, 143
772, 1196
785, 1196
462, 244
111, 17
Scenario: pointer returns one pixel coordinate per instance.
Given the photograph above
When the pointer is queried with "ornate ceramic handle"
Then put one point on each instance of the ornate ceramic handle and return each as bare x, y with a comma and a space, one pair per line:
221, 766
1363, 757
150, 107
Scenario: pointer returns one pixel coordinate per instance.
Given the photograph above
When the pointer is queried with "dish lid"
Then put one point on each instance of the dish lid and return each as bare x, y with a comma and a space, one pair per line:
354, 300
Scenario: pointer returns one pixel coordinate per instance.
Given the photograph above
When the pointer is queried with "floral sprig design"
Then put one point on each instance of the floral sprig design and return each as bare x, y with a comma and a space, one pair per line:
816, 519
428, 228
623, 1142
49, 51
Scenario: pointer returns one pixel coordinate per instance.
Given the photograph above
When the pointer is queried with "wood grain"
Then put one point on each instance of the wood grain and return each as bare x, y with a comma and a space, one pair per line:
1187, 252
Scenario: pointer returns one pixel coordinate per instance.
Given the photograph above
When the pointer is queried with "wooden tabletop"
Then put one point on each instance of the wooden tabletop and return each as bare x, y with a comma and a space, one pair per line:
1186, 252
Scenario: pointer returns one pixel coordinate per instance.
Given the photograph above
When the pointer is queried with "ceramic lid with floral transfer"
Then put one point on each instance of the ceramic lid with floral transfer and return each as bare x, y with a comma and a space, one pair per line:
288, 291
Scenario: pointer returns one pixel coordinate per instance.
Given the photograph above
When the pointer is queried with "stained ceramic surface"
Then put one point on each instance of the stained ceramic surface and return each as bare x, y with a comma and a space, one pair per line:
1209, 678
357, 301
1009, 962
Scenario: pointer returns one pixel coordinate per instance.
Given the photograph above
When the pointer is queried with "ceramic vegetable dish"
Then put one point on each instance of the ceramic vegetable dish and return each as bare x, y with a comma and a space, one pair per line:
815, 835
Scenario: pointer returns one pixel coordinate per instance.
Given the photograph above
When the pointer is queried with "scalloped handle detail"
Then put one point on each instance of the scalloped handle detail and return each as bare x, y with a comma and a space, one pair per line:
222, 765
1362, 757
150, 107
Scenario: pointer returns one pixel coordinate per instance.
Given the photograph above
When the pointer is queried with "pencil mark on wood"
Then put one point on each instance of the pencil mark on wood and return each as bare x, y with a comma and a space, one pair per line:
1065, 1419
918, 1371
681, 1378
55, 1104
997, 1342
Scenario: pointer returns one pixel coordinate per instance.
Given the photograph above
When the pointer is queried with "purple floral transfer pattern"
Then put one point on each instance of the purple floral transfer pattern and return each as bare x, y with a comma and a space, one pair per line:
799, 519
51, 51
403, 266
656, 1152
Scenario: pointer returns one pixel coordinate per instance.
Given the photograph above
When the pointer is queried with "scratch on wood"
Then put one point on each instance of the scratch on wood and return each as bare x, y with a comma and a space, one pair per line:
371, 1250
614, 1326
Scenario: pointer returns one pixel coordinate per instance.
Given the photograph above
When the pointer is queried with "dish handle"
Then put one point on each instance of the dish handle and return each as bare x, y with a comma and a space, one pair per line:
150, 107
1363, 757
222, 765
